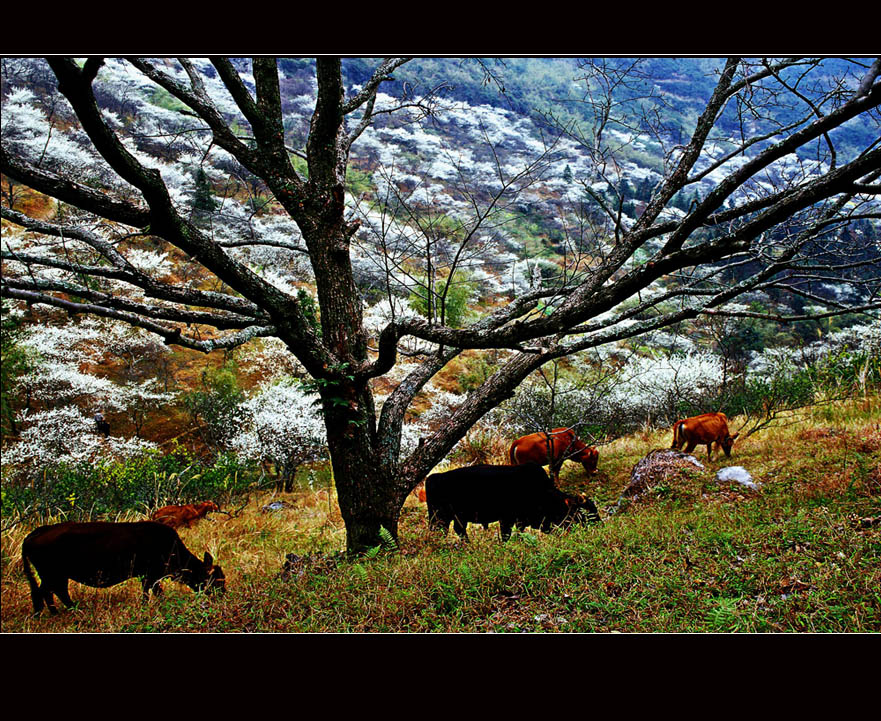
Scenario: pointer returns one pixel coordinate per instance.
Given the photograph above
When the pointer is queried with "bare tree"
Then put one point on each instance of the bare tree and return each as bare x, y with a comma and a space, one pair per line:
783, 190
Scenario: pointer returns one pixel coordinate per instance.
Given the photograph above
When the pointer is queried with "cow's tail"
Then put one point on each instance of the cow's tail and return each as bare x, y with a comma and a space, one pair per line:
36, 596
435, 520
677, 436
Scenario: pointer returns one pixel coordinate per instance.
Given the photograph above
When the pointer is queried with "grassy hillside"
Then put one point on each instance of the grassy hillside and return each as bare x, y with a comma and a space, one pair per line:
803, 553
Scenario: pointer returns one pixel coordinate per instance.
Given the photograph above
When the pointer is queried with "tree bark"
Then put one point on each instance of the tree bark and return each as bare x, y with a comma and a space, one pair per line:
369, 493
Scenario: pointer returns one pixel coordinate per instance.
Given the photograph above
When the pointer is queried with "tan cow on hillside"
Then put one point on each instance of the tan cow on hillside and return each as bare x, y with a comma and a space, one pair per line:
708, 428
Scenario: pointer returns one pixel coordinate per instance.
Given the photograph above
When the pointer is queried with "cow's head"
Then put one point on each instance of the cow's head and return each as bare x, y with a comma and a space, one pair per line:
727, 442
589, 458
579, 509
215, 580
206, 577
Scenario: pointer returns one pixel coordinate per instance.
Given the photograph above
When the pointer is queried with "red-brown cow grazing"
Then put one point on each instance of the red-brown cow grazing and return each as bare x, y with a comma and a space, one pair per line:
564, 446
707, 428
102, 554
177, 516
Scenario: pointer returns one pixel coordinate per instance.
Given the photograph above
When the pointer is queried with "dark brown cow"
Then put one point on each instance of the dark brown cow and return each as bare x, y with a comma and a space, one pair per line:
708, 428
102, 554
564, 446
177, 516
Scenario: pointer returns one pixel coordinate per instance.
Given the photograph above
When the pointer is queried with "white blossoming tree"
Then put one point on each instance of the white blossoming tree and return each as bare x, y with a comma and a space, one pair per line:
64, 351
281, 424
65, 435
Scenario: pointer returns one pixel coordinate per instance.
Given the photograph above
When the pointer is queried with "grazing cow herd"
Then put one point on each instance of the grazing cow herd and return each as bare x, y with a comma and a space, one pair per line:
102, 554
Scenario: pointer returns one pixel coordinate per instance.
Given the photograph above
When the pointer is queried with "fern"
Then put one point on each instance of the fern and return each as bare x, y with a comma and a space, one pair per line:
387, 540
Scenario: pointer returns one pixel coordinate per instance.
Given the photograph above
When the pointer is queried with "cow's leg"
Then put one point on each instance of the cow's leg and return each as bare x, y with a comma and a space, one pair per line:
505, 529
37, 600
62, 592
710, 451
37, 594
436, 522
460, 527
690, 446
47, 590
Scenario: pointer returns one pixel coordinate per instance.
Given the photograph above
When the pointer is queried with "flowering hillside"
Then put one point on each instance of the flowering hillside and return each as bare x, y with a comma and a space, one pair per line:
470, 208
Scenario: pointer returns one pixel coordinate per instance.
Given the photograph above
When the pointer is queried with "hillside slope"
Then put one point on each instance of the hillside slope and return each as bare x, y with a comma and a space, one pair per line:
802, 553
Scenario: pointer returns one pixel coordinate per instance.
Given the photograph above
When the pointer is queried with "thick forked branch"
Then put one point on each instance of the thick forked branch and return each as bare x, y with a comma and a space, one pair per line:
74, 193
736, 179
203, 108
581, 305
327, 156
870, 78
220, 321
381, 74
499, 387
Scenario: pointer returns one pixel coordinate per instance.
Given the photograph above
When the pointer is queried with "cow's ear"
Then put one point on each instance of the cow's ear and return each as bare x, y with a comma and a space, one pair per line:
208, 560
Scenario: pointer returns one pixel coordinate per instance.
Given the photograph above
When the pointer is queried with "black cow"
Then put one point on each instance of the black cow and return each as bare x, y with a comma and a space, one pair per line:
513, 495
102, 554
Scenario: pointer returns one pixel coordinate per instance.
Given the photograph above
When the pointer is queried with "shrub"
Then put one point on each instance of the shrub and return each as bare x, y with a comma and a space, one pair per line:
80, 490
216, 405
448, 299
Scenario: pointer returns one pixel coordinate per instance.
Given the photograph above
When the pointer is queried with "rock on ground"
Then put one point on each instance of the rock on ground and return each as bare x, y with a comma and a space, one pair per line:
658, 466
738, 474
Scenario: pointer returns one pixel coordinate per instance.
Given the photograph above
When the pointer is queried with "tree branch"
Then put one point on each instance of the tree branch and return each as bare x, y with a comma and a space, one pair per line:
171, 335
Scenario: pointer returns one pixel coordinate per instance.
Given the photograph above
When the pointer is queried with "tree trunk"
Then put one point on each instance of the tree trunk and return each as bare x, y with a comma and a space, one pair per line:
288, 474
369, 501
369, 492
